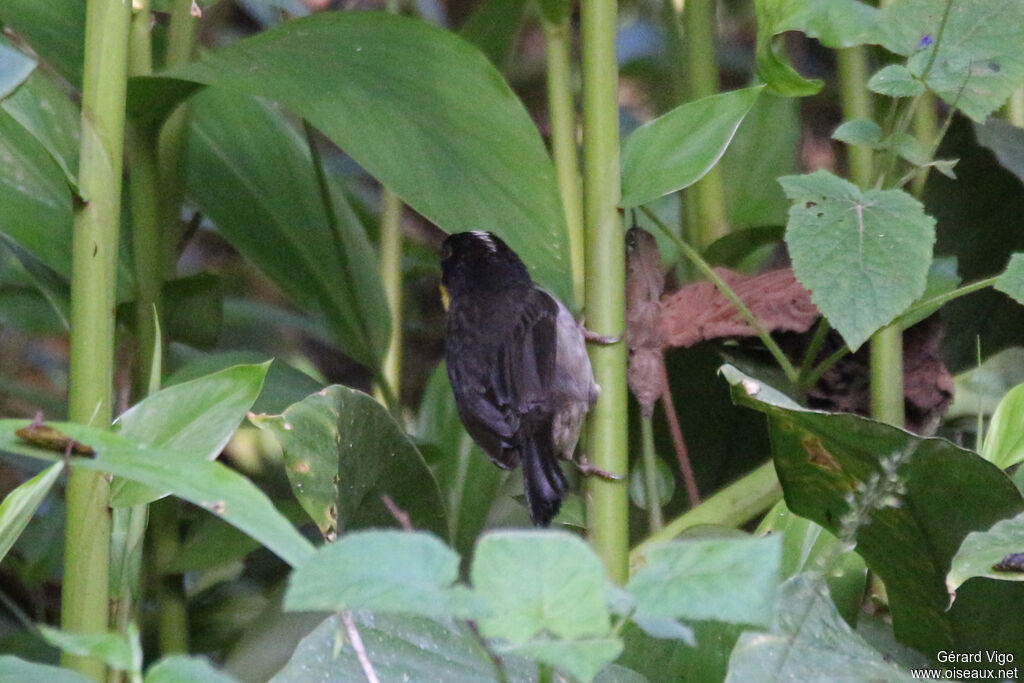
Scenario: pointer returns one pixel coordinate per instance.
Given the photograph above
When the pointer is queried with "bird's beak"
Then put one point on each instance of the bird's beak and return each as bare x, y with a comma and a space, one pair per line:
445, 300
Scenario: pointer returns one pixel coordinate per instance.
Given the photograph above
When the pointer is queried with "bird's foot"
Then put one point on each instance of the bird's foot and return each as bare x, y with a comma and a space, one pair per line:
588, 468
595, 338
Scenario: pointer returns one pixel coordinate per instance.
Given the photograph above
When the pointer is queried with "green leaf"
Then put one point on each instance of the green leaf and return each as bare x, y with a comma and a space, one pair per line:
55, 30
20, 504
396, 645
666, 483
1011, 280
536, 581
890, 490
895, 80
15, 67
863, 254
809, 639
343, 452
410, 573
858, 132
676, 149
249, 170
194, 420
494, 27
982, 550
979, 62
15, 670
112, 648
583, 658
184, 669
731, 580
210, 485
1006, 141
1004, 440
413, 96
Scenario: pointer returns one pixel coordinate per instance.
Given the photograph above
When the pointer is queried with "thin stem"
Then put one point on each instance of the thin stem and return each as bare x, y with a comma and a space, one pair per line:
608, 503
654, 516
926, 129
856, 103
94, 273
676, 431
728, 293
811, 355
934, 302
712, 220
812, 377
391, 277
733, 506
563, 143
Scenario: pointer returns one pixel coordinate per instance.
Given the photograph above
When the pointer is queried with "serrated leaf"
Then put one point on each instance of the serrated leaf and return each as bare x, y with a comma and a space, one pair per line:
978, 63
731, 580
895, 80
864, 255
20, 505
535, 581
1004, 440
981, 551
410, 573
1011, 280
343, 451
678, 148
195, 420
858, 132
809, 640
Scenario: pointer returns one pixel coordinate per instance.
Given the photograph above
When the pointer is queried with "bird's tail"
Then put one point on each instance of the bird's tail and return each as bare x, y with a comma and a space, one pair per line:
543, 481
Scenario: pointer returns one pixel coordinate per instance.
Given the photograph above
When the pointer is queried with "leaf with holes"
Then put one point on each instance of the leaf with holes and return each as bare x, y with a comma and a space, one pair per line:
863, 254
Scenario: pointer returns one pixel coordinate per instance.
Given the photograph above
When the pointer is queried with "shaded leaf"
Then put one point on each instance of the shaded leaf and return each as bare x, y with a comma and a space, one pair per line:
983, 551
580, 658
895, 80
15, 67
55, 30
809, 639
112, 648
1004, 440
732, 580
21, 504
678, 148
15, 670
858, 132
342, 452
194, 420
863, 254
410, 573
494, 27
411, 96
1011, 280
184, 669
210, 485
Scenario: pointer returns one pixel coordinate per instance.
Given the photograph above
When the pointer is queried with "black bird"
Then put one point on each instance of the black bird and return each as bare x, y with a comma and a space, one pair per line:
517, 363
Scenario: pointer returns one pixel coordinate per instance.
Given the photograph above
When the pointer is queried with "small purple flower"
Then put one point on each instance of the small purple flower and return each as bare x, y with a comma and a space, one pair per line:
926, 41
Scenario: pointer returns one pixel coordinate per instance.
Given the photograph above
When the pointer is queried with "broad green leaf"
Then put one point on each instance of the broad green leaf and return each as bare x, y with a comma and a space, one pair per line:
1006, 141
114, 649
732, 580
252, 174
54, 29
554, 11
1011, 280
583, 658
895, 80
468, 480
210, 485
978, 63
983, 550
890, 491
399, 646
15, 67
858, 132
15, 670
410, 573
980, 389
494, 27
863, 254
809, 640
401, 96
675, 660
194, 420
666, 483
536, 581
1004, 440
343, 452
678, 148
35, 198
184, 669
20, 504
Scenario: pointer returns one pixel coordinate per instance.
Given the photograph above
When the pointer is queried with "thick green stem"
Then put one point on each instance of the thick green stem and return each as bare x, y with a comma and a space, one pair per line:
654, 516
170, 590
607, 501
733, 506
563, 143
926, 129
94, 272
704, 267
1015, 108
712, 220
856, 103
887, 376
391, 276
